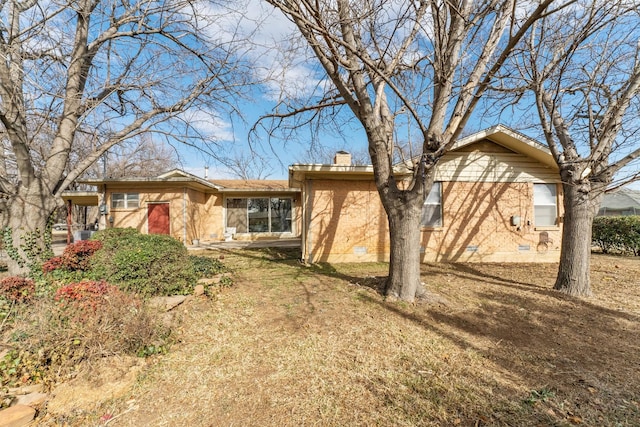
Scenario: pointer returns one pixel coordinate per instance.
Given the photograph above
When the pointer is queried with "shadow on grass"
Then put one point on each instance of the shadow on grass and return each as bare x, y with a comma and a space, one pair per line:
538, 338
463, 271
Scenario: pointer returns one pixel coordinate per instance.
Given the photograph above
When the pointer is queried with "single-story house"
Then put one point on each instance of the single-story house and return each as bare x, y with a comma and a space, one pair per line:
621, 202
496, 198
196, 210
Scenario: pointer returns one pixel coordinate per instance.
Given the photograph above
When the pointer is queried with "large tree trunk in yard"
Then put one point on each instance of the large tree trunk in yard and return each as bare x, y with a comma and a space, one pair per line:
404, 263
575, 253
27, 217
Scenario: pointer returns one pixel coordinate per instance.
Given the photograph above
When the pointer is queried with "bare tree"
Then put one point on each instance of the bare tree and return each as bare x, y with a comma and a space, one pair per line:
428, 60
139, 157
112, 70
247, 166
582, 68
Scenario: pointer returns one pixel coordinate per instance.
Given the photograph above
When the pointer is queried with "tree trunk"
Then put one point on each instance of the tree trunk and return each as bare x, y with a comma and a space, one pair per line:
27, 242
575, 253
404, 264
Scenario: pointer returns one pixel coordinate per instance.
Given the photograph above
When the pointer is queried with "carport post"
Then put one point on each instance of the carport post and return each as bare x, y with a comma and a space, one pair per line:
69, 206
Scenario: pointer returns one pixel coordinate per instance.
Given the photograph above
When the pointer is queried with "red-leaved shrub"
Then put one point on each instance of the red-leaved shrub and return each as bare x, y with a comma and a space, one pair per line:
17, 289
86, 296
76, 257
52, 264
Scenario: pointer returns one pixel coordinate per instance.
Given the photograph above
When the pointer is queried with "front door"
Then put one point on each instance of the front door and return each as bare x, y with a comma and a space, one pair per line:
158, 217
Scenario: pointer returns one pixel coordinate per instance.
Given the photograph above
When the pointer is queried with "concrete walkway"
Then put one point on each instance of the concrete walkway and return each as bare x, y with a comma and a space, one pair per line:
59, 244
241, 244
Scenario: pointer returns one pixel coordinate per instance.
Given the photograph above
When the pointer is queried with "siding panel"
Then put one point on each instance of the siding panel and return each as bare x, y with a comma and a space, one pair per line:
492, 167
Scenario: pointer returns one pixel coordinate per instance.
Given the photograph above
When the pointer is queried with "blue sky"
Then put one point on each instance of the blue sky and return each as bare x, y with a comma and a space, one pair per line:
256, 20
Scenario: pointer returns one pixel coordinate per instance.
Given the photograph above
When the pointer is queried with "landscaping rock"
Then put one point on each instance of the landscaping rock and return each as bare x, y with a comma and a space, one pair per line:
31, 399
28, 389
198, 290
17, 416
211, 280
167, 303
113, 379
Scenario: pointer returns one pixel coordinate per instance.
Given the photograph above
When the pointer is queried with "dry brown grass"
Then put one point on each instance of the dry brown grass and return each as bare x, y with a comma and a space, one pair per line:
291, 345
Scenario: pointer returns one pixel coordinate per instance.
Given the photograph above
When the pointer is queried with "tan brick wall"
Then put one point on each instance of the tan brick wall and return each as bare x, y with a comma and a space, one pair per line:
476, 225
205, 220
348, 223
202, 212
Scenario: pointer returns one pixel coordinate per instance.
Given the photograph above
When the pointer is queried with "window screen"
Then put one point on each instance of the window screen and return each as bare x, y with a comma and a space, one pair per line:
432, 207
545, 205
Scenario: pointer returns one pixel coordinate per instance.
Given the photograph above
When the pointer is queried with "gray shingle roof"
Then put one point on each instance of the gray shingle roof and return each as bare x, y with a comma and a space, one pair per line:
623, 199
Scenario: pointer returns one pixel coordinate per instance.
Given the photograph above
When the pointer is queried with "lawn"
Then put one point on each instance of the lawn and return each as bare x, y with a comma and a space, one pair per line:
293, 345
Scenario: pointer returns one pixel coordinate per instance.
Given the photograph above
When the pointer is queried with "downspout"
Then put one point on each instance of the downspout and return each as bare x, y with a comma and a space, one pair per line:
303, 224
102, 200
184, 215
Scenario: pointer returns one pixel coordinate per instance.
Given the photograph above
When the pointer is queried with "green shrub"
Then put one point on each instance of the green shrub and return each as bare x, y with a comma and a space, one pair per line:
147, 264
206, 267
617, 234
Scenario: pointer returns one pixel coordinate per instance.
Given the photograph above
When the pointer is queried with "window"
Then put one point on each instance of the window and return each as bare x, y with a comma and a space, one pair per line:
432, 207
258, 211
125, 200
280, 215
545, 207
259, 215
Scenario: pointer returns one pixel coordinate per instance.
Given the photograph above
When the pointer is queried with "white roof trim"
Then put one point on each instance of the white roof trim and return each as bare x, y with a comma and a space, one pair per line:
513, 140
179, 173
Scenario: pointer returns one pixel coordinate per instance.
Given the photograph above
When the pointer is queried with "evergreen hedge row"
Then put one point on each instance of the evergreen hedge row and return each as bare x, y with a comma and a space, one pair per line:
617, 234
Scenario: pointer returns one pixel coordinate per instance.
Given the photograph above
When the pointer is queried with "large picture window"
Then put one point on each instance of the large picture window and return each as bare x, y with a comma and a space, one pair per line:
125, 200
545, 205
432, 207
259, 215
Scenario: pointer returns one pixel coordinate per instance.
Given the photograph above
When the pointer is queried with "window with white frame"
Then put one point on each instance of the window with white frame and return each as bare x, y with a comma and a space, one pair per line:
432, 207
125, 200
545, 205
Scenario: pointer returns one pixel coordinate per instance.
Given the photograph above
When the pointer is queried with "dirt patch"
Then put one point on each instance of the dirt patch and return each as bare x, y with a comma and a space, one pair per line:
293, 345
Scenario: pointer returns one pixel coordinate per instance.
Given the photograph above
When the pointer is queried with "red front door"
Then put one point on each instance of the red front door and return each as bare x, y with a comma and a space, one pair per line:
158, 216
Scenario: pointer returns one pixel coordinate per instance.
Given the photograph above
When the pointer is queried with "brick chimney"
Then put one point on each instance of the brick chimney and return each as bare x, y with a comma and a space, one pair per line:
342, 158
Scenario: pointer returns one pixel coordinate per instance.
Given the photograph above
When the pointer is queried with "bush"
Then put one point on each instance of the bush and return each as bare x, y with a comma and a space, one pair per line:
76, 257
147, 264
52, 264
206, 267
85, 297
17, 289
52, 337
617, 234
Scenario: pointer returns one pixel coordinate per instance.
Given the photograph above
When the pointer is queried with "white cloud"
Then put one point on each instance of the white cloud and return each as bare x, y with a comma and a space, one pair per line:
211, 126
269, 36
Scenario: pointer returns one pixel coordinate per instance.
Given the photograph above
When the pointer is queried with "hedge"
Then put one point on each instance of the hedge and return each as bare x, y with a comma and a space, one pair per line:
617, 234
147, 264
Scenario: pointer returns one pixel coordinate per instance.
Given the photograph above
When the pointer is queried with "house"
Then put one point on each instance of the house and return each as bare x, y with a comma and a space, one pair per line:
621, 202
196, 210
496, 198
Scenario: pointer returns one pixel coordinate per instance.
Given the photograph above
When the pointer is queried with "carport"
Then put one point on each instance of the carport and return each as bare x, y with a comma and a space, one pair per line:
78, 198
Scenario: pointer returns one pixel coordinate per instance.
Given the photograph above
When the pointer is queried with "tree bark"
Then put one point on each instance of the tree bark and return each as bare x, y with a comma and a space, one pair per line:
27, 217
404, 263
575, 252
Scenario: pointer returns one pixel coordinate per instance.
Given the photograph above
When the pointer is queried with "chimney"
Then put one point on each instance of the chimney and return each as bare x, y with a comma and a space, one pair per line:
206, 172
342, 158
